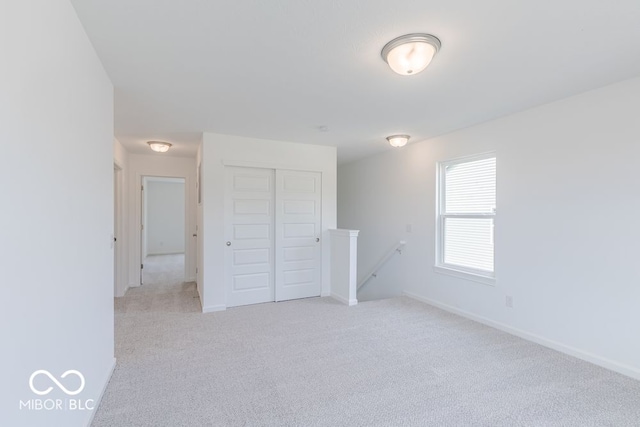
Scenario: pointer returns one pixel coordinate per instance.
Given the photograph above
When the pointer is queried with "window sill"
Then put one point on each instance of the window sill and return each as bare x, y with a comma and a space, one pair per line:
485, 280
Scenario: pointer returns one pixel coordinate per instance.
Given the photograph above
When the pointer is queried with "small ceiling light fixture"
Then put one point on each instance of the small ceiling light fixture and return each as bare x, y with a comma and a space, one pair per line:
409, 54
159, 146
398, 140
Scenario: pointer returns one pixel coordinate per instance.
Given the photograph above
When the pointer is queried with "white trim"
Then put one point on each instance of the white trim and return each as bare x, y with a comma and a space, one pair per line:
440, 266
167, 253
138, 259
123, 293
199, 290
210, 308
472, 158
343, 300
612, 365
485, 280
344, 232
214, 308
172, 180
267, 165
470, 216
120, 232
104, 388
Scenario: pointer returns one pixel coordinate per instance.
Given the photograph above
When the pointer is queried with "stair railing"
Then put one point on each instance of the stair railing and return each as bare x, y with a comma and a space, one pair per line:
397, 248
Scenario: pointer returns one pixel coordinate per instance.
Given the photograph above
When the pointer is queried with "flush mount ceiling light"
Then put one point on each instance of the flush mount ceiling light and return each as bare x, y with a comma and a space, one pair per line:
398, 140
409, 54
159, 146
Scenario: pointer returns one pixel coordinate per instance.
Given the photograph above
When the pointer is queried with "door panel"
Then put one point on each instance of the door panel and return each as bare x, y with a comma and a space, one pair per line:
297, 226
249, 219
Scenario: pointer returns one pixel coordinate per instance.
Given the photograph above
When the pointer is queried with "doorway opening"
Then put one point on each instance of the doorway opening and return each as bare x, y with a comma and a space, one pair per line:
117, 230
163, 237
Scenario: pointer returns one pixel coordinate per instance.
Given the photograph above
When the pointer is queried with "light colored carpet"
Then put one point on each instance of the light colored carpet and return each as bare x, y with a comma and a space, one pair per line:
314, 362
163, 271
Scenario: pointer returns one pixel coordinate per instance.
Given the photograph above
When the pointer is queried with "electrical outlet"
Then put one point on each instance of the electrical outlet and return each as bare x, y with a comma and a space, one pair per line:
509, 301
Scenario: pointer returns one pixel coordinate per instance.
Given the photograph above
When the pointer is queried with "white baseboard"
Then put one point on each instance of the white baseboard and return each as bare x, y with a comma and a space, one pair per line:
214, 308
105, 383
211, 308
612, 365
199, 295
191, 279
344, 300
165, 253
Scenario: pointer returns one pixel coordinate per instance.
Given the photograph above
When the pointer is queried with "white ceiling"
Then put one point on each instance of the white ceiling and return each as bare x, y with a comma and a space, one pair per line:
279, 69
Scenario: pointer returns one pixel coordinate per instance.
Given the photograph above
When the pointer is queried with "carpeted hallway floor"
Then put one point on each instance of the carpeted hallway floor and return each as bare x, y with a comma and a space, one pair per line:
315, 362
162, 271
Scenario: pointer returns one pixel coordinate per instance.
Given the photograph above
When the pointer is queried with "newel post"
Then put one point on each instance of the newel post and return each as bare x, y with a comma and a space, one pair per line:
344, 265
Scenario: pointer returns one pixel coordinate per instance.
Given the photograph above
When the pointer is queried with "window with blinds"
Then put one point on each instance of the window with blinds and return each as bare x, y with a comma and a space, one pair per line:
467, 209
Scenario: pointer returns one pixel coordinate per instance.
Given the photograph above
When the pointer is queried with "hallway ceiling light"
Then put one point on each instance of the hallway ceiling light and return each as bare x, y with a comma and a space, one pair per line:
159, 146
409, 54
398, 140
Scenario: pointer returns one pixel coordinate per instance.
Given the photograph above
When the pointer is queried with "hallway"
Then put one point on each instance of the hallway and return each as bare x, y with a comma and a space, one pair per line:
163, 271
163, 292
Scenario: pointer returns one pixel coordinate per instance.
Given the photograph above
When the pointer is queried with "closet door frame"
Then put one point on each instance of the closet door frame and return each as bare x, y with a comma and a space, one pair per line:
321, 249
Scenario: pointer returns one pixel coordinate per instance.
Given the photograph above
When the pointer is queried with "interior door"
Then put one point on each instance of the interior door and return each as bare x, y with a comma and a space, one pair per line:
249, 219
298, 234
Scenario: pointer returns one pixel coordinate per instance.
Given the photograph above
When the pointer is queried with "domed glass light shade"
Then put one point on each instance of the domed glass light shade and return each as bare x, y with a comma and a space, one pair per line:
409, 54
159, 146
398, 140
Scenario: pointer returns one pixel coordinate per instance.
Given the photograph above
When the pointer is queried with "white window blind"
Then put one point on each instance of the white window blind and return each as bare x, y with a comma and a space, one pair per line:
466, 215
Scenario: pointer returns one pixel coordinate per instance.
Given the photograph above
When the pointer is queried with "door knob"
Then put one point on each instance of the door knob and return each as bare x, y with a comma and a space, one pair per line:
195, 235
228, 243
317, 239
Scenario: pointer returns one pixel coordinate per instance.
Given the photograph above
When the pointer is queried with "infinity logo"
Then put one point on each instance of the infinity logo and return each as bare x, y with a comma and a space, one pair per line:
52, 378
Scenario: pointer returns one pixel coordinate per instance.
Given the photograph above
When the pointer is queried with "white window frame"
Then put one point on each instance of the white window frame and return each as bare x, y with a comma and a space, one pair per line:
481, 276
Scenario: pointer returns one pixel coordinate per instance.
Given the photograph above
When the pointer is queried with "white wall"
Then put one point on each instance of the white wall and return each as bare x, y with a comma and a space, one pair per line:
156, 164
567, 230
165, 214
220, 150
56, 128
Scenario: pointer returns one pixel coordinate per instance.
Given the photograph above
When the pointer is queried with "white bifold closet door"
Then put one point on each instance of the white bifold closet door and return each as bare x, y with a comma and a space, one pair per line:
249, 232
272, 229
298, 230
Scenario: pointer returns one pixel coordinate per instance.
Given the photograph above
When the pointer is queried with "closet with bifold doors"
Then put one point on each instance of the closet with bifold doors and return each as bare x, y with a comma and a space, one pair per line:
272, 235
